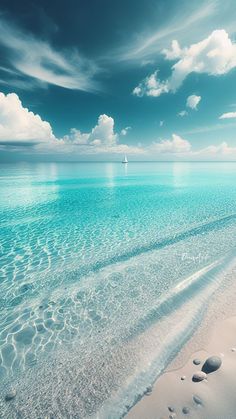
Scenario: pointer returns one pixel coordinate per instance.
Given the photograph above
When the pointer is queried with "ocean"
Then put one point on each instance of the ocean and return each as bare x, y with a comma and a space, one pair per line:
106, 271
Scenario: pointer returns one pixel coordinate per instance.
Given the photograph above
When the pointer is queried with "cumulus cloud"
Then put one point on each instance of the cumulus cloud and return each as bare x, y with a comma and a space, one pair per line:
38, 60
102, 133
19, 125
215, 55
193, 101
228, 115
175, 145
174, 52
101, 139
151, 86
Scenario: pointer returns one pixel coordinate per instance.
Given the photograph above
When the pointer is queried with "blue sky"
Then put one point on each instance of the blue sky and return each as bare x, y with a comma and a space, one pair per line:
94, 80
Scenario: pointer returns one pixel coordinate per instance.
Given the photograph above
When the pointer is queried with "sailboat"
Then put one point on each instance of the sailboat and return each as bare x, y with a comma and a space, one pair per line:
125, 160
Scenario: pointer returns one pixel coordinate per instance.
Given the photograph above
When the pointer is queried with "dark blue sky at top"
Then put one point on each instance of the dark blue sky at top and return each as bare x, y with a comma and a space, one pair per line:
106, 33
95, 28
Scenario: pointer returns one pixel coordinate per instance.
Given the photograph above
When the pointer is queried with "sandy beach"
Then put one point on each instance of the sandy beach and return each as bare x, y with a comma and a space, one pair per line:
177, 395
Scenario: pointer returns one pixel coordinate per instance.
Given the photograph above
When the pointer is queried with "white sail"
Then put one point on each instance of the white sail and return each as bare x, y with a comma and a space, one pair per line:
125, 160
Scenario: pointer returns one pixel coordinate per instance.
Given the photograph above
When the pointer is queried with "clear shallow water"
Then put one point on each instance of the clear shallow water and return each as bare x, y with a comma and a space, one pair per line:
106, 271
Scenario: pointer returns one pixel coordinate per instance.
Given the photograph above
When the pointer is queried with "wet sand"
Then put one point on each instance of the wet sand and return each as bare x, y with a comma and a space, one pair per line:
176, 395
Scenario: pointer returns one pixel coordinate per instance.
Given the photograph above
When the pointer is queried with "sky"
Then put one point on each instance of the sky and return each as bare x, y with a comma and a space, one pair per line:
85, 80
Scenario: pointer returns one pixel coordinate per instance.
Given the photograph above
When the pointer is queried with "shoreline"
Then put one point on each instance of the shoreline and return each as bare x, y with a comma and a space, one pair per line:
220, 305
176, 395
221, 310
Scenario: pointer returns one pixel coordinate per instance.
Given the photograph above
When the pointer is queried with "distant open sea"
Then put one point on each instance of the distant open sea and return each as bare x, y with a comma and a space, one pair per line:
106, 270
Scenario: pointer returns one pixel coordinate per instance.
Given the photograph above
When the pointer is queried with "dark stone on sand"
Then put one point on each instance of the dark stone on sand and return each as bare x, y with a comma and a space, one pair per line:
199, 376
183, 377
197, 361
10, 396
185, 410
171, 409
197, 400
211, 364
148, 391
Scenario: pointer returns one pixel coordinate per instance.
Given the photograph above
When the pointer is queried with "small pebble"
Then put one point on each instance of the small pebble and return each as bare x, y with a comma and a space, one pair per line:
11, 395
199, 376
197, 400
148, 391
211, 364
183, 377
185, 410
197, 361
233, 349
172, 416
171, 409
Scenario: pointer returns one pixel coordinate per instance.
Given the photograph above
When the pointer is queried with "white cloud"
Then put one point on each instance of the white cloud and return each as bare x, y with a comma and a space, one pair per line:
151, 86
175, 145
183, 113
101, 139
174, 52
228, 115
137, 91
102, 134
215, 55
40, 61
19, 125
193, 101
125, 130
222, 149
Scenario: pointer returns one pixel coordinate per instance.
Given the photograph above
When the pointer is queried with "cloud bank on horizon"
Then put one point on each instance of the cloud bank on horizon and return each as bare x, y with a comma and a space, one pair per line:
183, 105
20, 127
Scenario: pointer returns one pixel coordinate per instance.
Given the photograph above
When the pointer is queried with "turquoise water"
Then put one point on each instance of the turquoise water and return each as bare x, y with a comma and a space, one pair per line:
101, 266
